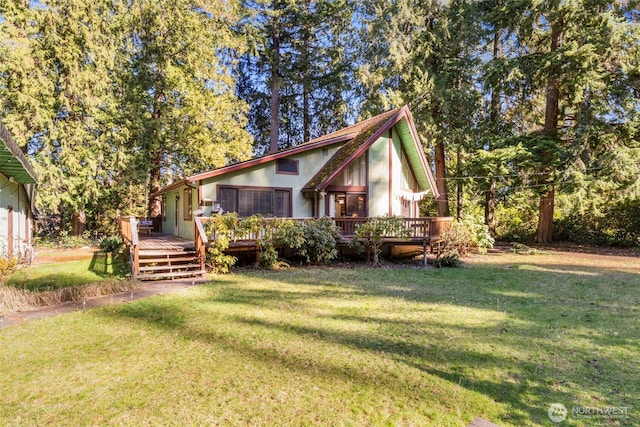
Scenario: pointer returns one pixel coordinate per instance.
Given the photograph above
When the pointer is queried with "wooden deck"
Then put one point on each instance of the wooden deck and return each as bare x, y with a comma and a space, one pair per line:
164, 242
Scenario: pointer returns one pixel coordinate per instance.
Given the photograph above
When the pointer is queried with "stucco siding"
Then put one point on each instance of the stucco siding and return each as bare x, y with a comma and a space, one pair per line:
264, 175
379, 177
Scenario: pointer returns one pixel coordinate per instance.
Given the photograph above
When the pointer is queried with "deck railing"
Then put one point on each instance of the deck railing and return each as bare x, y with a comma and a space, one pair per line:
427, 229
129, 232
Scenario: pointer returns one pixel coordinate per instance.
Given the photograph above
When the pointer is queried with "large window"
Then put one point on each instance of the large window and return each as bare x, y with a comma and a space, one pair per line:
268, 202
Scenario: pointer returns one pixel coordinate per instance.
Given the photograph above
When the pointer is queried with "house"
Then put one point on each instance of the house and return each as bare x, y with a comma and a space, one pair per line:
376, 167
17, 195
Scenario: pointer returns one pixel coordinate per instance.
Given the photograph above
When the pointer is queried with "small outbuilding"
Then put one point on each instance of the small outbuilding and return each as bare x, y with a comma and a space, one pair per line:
18, 183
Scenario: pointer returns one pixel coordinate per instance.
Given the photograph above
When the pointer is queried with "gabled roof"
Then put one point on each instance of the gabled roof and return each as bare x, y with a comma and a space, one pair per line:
366, 130
356, 141
369, 132
13, 162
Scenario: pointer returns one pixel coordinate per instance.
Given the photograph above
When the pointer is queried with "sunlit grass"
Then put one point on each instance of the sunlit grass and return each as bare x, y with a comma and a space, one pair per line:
336, 346
64, 273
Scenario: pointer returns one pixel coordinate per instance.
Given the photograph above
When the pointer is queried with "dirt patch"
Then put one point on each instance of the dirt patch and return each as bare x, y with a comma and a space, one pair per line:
49, 255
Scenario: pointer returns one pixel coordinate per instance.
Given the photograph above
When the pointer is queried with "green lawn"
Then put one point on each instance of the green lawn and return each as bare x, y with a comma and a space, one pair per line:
501, 339
61, 272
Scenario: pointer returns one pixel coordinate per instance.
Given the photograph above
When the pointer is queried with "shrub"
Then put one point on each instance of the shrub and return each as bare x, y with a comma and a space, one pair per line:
219, 233
449, 258
371, 233
466, 235
615, 225
109, 243
320, 237
7, 266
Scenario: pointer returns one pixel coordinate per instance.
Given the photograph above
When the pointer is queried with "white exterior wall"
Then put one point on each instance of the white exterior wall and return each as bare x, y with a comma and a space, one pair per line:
14, 195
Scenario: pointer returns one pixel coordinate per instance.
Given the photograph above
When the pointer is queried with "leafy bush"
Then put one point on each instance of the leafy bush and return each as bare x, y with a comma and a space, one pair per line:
278, 232
320, 237
616, 225
371, 233
466, 235
449, 258
219, 233
7, 266
109, 243
517, 218
522, 249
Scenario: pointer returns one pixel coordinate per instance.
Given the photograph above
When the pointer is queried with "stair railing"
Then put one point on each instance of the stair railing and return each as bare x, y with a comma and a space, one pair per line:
129, 233
201, 241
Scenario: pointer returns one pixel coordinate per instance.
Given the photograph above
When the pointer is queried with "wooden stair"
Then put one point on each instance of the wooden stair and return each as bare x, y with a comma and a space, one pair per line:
168, 264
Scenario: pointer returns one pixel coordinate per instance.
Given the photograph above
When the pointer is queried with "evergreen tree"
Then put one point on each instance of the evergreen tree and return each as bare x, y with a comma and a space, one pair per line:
298, 76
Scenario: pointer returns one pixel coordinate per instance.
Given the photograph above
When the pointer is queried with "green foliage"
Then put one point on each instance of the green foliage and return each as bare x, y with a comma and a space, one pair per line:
7, 266
480, 237
103, 94
616, 225
220, 232
520, 248
466, 235
449, 258
517, 218
301, 56
109, 243
64, 240
320, 238
371, 234
278, 233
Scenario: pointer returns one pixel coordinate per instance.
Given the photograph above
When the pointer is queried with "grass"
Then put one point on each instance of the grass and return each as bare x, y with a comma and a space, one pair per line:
502, 338
64, 269
63, 275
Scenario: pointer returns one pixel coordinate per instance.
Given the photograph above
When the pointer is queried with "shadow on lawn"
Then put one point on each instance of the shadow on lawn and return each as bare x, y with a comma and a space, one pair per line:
538, 302
106, 264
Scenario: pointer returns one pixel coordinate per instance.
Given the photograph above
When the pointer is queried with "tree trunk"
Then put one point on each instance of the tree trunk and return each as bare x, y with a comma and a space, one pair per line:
306, 80
545, 224
494, 114
79, 223
155, 202
275, 88
545, 218
490, 207
441, 180
459, 185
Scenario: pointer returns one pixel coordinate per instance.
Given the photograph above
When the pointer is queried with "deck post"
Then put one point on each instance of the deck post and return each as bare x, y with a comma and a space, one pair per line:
424, 255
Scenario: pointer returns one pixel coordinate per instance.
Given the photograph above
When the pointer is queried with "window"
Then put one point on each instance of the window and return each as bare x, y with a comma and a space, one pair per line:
355, 174
268, 202
287, 166
348, 204
188, 201
163, 208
